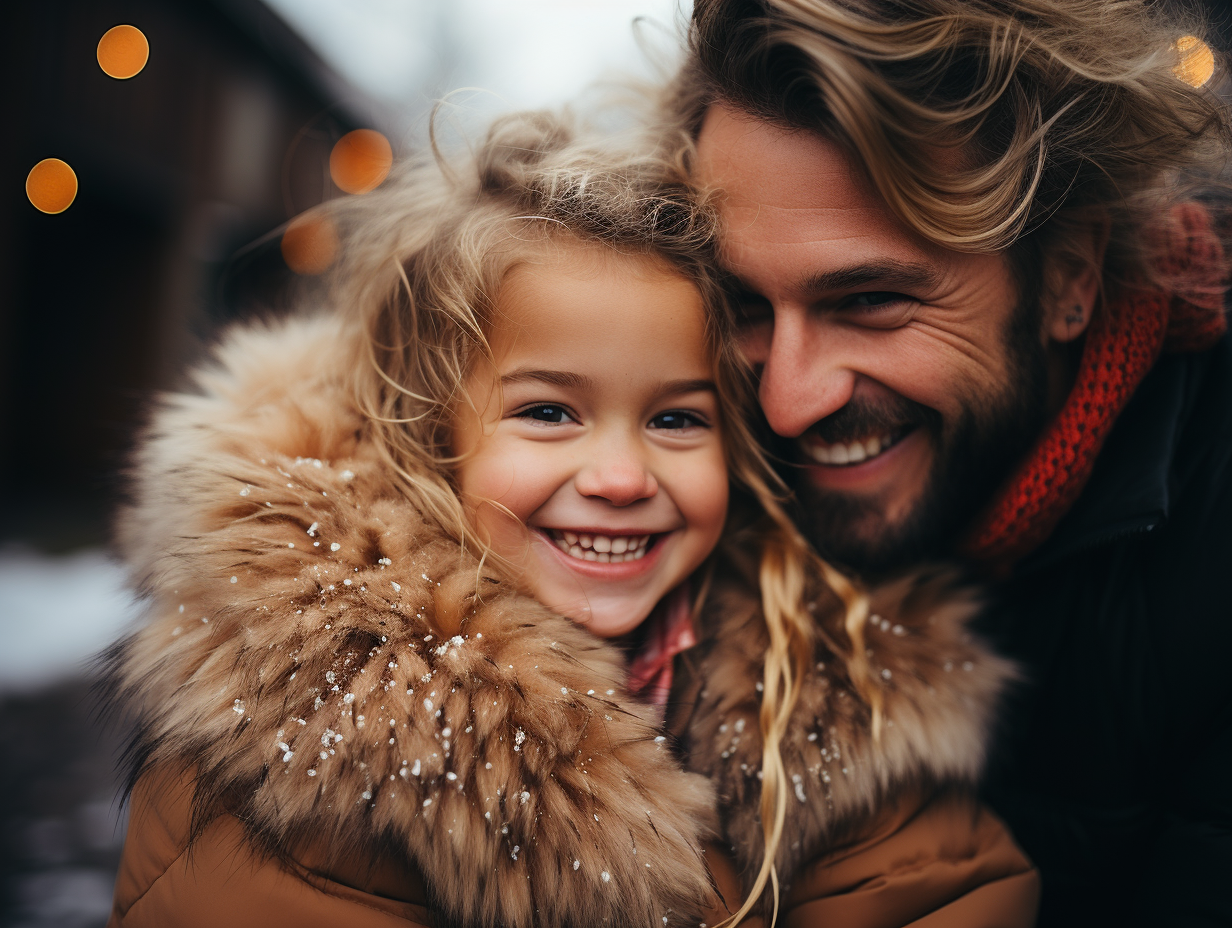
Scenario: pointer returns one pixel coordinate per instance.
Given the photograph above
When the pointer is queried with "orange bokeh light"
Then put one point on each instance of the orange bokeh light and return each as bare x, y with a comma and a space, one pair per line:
51, 186
1197, 62
310, 244
123, 52
360, 161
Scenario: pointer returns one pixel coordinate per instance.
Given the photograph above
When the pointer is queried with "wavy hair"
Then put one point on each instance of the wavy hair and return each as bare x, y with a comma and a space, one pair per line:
1062, 113
1047, 117
421, 273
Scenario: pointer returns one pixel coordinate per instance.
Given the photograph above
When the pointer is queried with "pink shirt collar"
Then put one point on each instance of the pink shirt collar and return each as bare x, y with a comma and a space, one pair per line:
669, 633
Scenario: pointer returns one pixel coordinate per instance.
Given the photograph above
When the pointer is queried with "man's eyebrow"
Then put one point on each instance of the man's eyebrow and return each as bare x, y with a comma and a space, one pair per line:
566, 379
881, 274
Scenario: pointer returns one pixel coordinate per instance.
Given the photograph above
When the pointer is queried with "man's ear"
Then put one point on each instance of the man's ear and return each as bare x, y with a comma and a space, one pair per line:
1075, 276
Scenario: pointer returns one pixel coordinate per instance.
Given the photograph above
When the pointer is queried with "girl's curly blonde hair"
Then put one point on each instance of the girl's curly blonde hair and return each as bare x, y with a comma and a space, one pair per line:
422, 272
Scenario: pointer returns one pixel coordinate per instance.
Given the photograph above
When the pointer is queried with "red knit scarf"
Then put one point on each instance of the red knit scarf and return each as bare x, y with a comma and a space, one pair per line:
1122, 343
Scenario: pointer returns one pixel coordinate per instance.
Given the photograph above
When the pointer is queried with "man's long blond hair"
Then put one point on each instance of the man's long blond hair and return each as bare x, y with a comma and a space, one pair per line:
1043, 119
1041, 116
424, 260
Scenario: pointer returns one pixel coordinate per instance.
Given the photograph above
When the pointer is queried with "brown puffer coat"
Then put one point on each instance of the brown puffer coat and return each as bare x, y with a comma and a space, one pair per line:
881, 830
343, 720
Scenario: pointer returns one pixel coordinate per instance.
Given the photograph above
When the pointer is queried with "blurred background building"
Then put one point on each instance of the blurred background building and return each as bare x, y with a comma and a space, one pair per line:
188, 172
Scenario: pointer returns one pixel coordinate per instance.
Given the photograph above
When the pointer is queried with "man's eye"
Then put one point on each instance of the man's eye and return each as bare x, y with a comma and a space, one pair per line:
875, 298
546, 413
678, 420
751, 309
880, 309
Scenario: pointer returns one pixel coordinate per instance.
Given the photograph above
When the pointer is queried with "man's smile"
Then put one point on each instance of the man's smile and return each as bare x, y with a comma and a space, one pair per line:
857, 451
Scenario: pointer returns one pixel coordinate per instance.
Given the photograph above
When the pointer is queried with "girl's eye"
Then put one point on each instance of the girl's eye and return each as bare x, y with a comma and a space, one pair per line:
677, 420
546, 413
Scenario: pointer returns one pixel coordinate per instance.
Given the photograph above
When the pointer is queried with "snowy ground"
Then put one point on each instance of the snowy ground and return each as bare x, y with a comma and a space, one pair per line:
56, 613
61, 827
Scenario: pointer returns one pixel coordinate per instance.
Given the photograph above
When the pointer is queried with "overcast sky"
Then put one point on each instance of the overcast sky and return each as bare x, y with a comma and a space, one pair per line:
527, 52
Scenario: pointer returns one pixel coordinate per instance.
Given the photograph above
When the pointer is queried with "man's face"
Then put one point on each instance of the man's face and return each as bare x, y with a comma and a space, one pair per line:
907, 378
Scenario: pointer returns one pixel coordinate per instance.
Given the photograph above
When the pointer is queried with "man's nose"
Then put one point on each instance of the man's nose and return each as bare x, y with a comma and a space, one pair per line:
618, 474
801, 381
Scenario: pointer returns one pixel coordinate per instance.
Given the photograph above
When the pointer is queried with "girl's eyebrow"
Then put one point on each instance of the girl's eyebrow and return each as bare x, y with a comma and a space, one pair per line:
574, 381
676, 387
555, 378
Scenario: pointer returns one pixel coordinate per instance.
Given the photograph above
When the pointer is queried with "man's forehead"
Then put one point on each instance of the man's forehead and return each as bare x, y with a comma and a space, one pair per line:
791, 197
757, 161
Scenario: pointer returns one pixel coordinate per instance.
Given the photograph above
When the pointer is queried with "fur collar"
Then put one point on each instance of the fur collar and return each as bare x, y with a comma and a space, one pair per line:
333, 667
939, 688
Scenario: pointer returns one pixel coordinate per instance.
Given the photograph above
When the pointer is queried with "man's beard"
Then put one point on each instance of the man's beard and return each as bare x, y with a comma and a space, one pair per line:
973, 457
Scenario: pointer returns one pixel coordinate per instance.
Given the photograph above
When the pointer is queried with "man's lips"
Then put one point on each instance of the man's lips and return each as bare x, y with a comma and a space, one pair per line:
850, 453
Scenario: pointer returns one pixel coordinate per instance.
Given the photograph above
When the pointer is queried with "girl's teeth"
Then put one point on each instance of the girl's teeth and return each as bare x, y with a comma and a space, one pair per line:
604, 549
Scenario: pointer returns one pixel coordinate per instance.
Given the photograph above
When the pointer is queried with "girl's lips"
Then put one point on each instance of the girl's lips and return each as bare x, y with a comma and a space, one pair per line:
645, 554
601, 546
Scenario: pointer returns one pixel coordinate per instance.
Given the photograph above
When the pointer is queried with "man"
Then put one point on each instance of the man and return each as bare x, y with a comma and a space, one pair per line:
987, 327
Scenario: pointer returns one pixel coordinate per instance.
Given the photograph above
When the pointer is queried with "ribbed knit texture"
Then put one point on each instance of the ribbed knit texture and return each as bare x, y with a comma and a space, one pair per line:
1123, 341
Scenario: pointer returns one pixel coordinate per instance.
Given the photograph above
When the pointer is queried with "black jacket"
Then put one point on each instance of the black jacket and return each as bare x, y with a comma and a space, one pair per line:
1113, 761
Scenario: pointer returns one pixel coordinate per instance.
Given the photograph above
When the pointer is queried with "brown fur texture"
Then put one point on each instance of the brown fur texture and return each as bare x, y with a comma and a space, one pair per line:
336, 669
939, 688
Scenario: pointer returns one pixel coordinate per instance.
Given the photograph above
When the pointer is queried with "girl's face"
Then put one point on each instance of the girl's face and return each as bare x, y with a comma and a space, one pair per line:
595, 460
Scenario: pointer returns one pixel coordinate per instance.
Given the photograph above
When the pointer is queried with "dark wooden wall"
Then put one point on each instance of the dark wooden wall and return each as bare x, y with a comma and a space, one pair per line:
222, 138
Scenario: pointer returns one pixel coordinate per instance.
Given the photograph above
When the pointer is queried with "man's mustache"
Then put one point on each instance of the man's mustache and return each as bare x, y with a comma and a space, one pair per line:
859, 419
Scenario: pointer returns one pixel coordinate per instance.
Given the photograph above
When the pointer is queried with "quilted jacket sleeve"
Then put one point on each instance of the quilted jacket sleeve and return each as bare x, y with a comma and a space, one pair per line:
223, 880
944, 862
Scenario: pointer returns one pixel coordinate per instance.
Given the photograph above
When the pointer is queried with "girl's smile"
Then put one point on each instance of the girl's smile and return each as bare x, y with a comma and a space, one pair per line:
597, 546
592, 455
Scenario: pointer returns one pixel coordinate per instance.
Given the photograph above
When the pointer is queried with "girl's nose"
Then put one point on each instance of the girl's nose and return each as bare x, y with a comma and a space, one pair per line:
619, 480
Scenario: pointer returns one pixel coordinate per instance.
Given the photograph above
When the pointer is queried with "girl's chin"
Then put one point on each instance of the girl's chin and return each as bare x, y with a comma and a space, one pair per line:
608, 600
613, 621
600, 613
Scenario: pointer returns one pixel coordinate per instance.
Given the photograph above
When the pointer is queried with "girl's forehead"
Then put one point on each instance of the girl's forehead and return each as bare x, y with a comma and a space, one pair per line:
587, 304
590, 258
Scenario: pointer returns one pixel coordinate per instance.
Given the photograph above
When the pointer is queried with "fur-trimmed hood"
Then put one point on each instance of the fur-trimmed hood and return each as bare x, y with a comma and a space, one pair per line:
938, 685
335, 668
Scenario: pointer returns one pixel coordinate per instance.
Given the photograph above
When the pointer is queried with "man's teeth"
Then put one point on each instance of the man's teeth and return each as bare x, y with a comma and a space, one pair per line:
606, 549
852, 453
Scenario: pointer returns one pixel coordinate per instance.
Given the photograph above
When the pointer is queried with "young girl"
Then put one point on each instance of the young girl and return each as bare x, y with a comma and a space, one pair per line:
418, 570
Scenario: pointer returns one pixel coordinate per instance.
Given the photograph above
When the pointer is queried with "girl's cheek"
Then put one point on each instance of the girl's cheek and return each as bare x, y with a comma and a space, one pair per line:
708, 490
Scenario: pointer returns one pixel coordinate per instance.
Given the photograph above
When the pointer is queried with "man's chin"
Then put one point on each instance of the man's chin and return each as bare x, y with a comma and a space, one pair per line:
869, 550
857, 534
